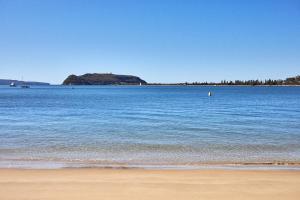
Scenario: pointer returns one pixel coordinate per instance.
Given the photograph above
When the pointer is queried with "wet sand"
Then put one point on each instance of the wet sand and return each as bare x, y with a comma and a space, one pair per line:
92, 184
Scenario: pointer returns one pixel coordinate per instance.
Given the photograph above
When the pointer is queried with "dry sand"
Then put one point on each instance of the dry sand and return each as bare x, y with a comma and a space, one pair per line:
131, 184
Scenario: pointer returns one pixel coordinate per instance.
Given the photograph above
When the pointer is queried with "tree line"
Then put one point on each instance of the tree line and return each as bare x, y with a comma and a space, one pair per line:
288, 81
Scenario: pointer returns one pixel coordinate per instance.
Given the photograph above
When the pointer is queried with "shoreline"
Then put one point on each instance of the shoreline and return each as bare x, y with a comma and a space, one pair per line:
181, 84
197, 166
92, 184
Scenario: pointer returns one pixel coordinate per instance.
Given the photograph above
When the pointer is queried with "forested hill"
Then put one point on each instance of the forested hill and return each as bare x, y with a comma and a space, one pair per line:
103, 79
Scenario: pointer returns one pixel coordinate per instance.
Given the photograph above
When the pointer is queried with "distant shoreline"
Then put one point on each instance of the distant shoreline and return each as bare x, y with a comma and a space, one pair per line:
220, 85
161, 85
116, 79
59, 164
113, 79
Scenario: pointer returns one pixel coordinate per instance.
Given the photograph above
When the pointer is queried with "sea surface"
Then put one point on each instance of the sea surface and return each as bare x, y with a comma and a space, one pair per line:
140, 126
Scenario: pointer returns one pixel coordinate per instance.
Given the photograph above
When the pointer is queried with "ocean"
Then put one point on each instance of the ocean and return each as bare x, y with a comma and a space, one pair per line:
148, 126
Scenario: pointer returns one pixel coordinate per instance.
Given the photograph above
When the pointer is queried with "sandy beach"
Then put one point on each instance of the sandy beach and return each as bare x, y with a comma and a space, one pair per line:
90, 184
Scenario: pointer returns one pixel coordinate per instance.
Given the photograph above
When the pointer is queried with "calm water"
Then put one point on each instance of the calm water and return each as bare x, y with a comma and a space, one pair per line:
59, 126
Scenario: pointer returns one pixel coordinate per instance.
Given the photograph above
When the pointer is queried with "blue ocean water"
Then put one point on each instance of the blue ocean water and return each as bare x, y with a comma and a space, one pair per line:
57, 126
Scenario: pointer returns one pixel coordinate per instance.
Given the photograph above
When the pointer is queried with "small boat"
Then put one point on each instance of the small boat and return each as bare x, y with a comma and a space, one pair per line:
12, 84
140, 83
25, 86
209, 94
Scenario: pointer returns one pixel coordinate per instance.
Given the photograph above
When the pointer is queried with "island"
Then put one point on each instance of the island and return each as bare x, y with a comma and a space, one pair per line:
114, 79
103, 79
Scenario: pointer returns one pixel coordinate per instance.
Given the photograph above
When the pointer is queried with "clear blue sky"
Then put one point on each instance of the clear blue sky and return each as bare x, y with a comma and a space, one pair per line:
158, 40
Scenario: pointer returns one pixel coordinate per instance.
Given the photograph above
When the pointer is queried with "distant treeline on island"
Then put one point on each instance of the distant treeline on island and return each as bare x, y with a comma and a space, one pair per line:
288, 81
114, 79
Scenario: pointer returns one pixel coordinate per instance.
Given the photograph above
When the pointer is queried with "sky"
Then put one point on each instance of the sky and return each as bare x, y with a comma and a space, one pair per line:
163, 41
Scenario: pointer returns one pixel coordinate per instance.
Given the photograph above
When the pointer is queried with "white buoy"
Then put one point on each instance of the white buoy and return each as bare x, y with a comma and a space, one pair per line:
209, 94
